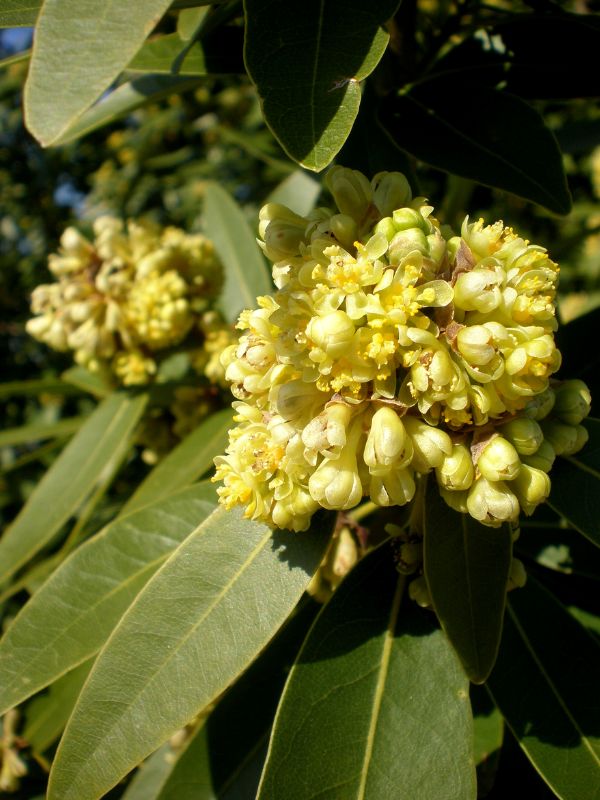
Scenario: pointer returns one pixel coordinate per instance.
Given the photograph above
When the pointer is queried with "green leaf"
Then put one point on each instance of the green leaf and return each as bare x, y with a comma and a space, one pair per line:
19, 13
306, 59
219, 55
246, 272
72, 615
77, 54
543, 683
38, 431
189, 22
86, 381
466, 567
488, 725
47, 715
185, 463
575, 490
298, 191
489, 136
223, 755
196, 625
101, 441
376, 705
561, 550
33, 388
123, 100
149, 779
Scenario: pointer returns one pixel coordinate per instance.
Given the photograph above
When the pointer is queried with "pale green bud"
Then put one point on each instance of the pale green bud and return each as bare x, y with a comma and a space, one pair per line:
525, 434
541, 405
573, 402
336, 484
395, 487
282, 231
419, 592
387, 443
492, 503
407, 218
499, 461
410, 557
391, 190
456, 471
456, 500
345, 229
532, 487
543, 459
332, 333
517, 577
351, 191
580, 441
430, 445
386, 227
474, 343
406, 242
561, 436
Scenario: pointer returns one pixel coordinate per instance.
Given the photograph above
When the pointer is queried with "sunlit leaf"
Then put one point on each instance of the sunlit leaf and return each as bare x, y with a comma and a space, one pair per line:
246, 273
39, 431
376, 705
308, 76
543, 682
298, 191
196, 625
77, 54
171, 55
466, 567
99, 443
73, 613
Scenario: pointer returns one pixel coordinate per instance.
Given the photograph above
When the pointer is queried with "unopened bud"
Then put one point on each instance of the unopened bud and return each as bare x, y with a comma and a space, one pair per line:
517, 577
391, 190
573, 402
532, 487
561, 436
332, 332
351, 191
499, 461
396, 487
456, 471
525, 434
473, 343
387, 443
419, 592
543, 458
430, 444
540, 405
492, 502
456, 500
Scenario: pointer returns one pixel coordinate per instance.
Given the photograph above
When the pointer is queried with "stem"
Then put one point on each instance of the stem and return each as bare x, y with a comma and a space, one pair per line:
363, 511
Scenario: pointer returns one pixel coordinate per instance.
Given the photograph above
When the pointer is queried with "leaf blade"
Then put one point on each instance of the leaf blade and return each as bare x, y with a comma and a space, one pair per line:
99, 442
466, 567
47, 638
77, 54
352, 711
210, 582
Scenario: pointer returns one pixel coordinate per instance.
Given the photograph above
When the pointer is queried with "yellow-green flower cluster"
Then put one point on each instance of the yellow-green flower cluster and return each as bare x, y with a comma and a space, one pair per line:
390, 349
134, 291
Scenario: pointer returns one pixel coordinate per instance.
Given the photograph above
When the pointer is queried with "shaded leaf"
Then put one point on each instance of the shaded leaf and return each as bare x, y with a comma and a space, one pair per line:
560, 549
219, 55
47, 715
84, 380
19, 13
196, 625
575, 490
466, 567
189, 22
100, 443
488, 725
38, 431
306, 59
187, 462
376, 705
72, 614
123, 100
16, 58
489, 136
246, 272
32, 388
149, 779
543, 682
77, 54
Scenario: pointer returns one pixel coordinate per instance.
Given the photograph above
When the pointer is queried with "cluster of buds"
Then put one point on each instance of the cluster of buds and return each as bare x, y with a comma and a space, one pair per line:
137, 290
392, 349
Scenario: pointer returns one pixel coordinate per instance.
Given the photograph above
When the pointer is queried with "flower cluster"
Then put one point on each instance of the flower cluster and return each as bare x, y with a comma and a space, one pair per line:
391, 349
135, 291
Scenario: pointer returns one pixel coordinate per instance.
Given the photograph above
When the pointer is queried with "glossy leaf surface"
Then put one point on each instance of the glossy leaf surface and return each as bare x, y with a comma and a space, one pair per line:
308, 78
466, 567
376, 705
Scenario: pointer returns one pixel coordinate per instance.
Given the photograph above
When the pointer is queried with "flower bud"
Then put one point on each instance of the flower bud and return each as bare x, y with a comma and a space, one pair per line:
580, 440
410, 557
336, 484
539, 406
326, 434
456, 500
473, 343
395, 487
387, 443
562, 437
573, 402
543, 458
477, 290
430, 444
524, 433
407, 218
492, 503
332, 333
499, 461
517, 577
456, 470
406, 242
351, 191
391, 190
532, 487
419, 592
